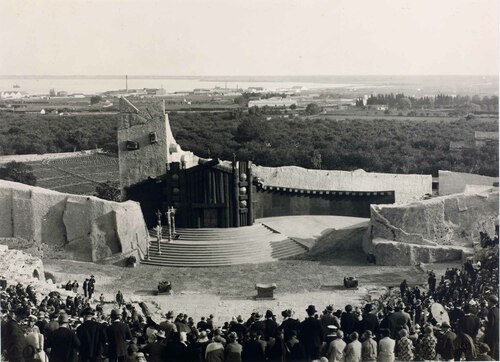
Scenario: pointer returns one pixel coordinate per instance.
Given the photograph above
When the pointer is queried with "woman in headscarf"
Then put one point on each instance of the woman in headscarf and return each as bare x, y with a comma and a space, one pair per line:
427, 344
404, 347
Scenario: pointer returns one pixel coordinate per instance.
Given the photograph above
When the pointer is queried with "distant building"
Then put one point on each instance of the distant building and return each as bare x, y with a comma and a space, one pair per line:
378, 107
52, 93
272, 102
78, 95
13, 95
62, 94
161, 92
200, 91
483, 138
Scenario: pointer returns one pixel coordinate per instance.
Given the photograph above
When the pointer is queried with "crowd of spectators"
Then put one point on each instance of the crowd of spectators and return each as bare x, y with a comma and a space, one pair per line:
400, 327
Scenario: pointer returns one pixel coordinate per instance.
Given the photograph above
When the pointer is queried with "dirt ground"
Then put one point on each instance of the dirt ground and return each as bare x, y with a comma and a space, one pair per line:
229, 291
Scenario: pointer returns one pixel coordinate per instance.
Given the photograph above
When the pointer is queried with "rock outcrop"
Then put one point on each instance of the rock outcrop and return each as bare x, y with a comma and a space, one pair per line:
86, 228
456, 182
438, 229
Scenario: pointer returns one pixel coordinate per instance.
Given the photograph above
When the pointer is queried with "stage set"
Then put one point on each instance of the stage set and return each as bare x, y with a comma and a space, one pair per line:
202, 212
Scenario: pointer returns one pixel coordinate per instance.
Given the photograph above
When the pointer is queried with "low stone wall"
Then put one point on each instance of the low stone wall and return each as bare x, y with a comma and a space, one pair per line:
432, 230
456, 182
406, 187
88, 228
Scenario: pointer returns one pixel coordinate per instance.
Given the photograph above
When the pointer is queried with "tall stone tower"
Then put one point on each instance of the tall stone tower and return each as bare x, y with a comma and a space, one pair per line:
142, 144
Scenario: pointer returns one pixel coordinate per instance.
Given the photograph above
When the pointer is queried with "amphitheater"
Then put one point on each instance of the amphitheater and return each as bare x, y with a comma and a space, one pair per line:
301, 229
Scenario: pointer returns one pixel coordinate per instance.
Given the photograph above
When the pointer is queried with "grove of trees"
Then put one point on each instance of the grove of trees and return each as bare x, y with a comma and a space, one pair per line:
378, 145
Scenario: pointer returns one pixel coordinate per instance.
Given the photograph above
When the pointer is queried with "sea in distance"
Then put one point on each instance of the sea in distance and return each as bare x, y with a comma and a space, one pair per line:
410, 85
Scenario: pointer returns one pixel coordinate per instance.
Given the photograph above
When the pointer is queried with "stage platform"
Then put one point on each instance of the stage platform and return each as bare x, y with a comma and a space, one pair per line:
269, 239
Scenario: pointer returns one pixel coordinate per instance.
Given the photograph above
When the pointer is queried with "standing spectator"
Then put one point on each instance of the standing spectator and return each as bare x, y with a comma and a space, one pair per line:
348, 320
13, 341
369, 348
353, 349
91, 336
63, 343
156, 350
202, 325
404, 346
75, 286
238, 328
491, 332
270, 326
289, 324
427, 344
252, 349
386, 346
311, 334
445, 346
336, 348
168, 326
370, 320
233, 349
328, 319
35, 339
118, 333
91, 287
294, 349
215, 350
469, 323
483, 351
119, 299
432, 282
86, 287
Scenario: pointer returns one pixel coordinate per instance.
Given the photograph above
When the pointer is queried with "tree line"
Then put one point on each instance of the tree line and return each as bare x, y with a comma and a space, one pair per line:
474, 103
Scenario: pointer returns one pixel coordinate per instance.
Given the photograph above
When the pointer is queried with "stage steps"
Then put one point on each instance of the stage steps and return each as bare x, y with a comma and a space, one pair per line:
221, 247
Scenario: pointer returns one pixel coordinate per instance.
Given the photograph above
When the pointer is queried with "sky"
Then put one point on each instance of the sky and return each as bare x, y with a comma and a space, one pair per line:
249, 37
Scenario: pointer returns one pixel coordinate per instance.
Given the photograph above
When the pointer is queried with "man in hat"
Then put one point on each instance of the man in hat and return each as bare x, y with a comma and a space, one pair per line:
119, 299
92, 337
239, 328
63, 342
270, 326
157, 350
257, 325
370, 320
469, 323
13, 341
445, 346
336, 348
118, 333
232, 352
168, 326
492, 327
399, 319
328, 319
289, 324
311, 334
348, 320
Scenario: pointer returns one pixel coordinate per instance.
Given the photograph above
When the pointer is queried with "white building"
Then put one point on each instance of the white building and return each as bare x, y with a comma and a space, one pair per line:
272, 102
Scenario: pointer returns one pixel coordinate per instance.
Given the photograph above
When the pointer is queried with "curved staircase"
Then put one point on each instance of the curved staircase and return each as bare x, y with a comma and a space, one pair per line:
221, 247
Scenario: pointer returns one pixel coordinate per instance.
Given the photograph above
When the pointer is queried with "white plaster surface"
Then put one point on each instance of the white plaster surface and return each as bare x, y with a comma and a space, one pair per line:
406, 187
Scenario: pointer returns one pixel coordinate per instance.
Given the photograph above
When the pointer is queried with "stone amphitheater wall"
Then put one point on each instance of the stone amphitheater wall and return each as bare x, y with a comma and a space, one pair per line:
437, 229
87, 228
406, 187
